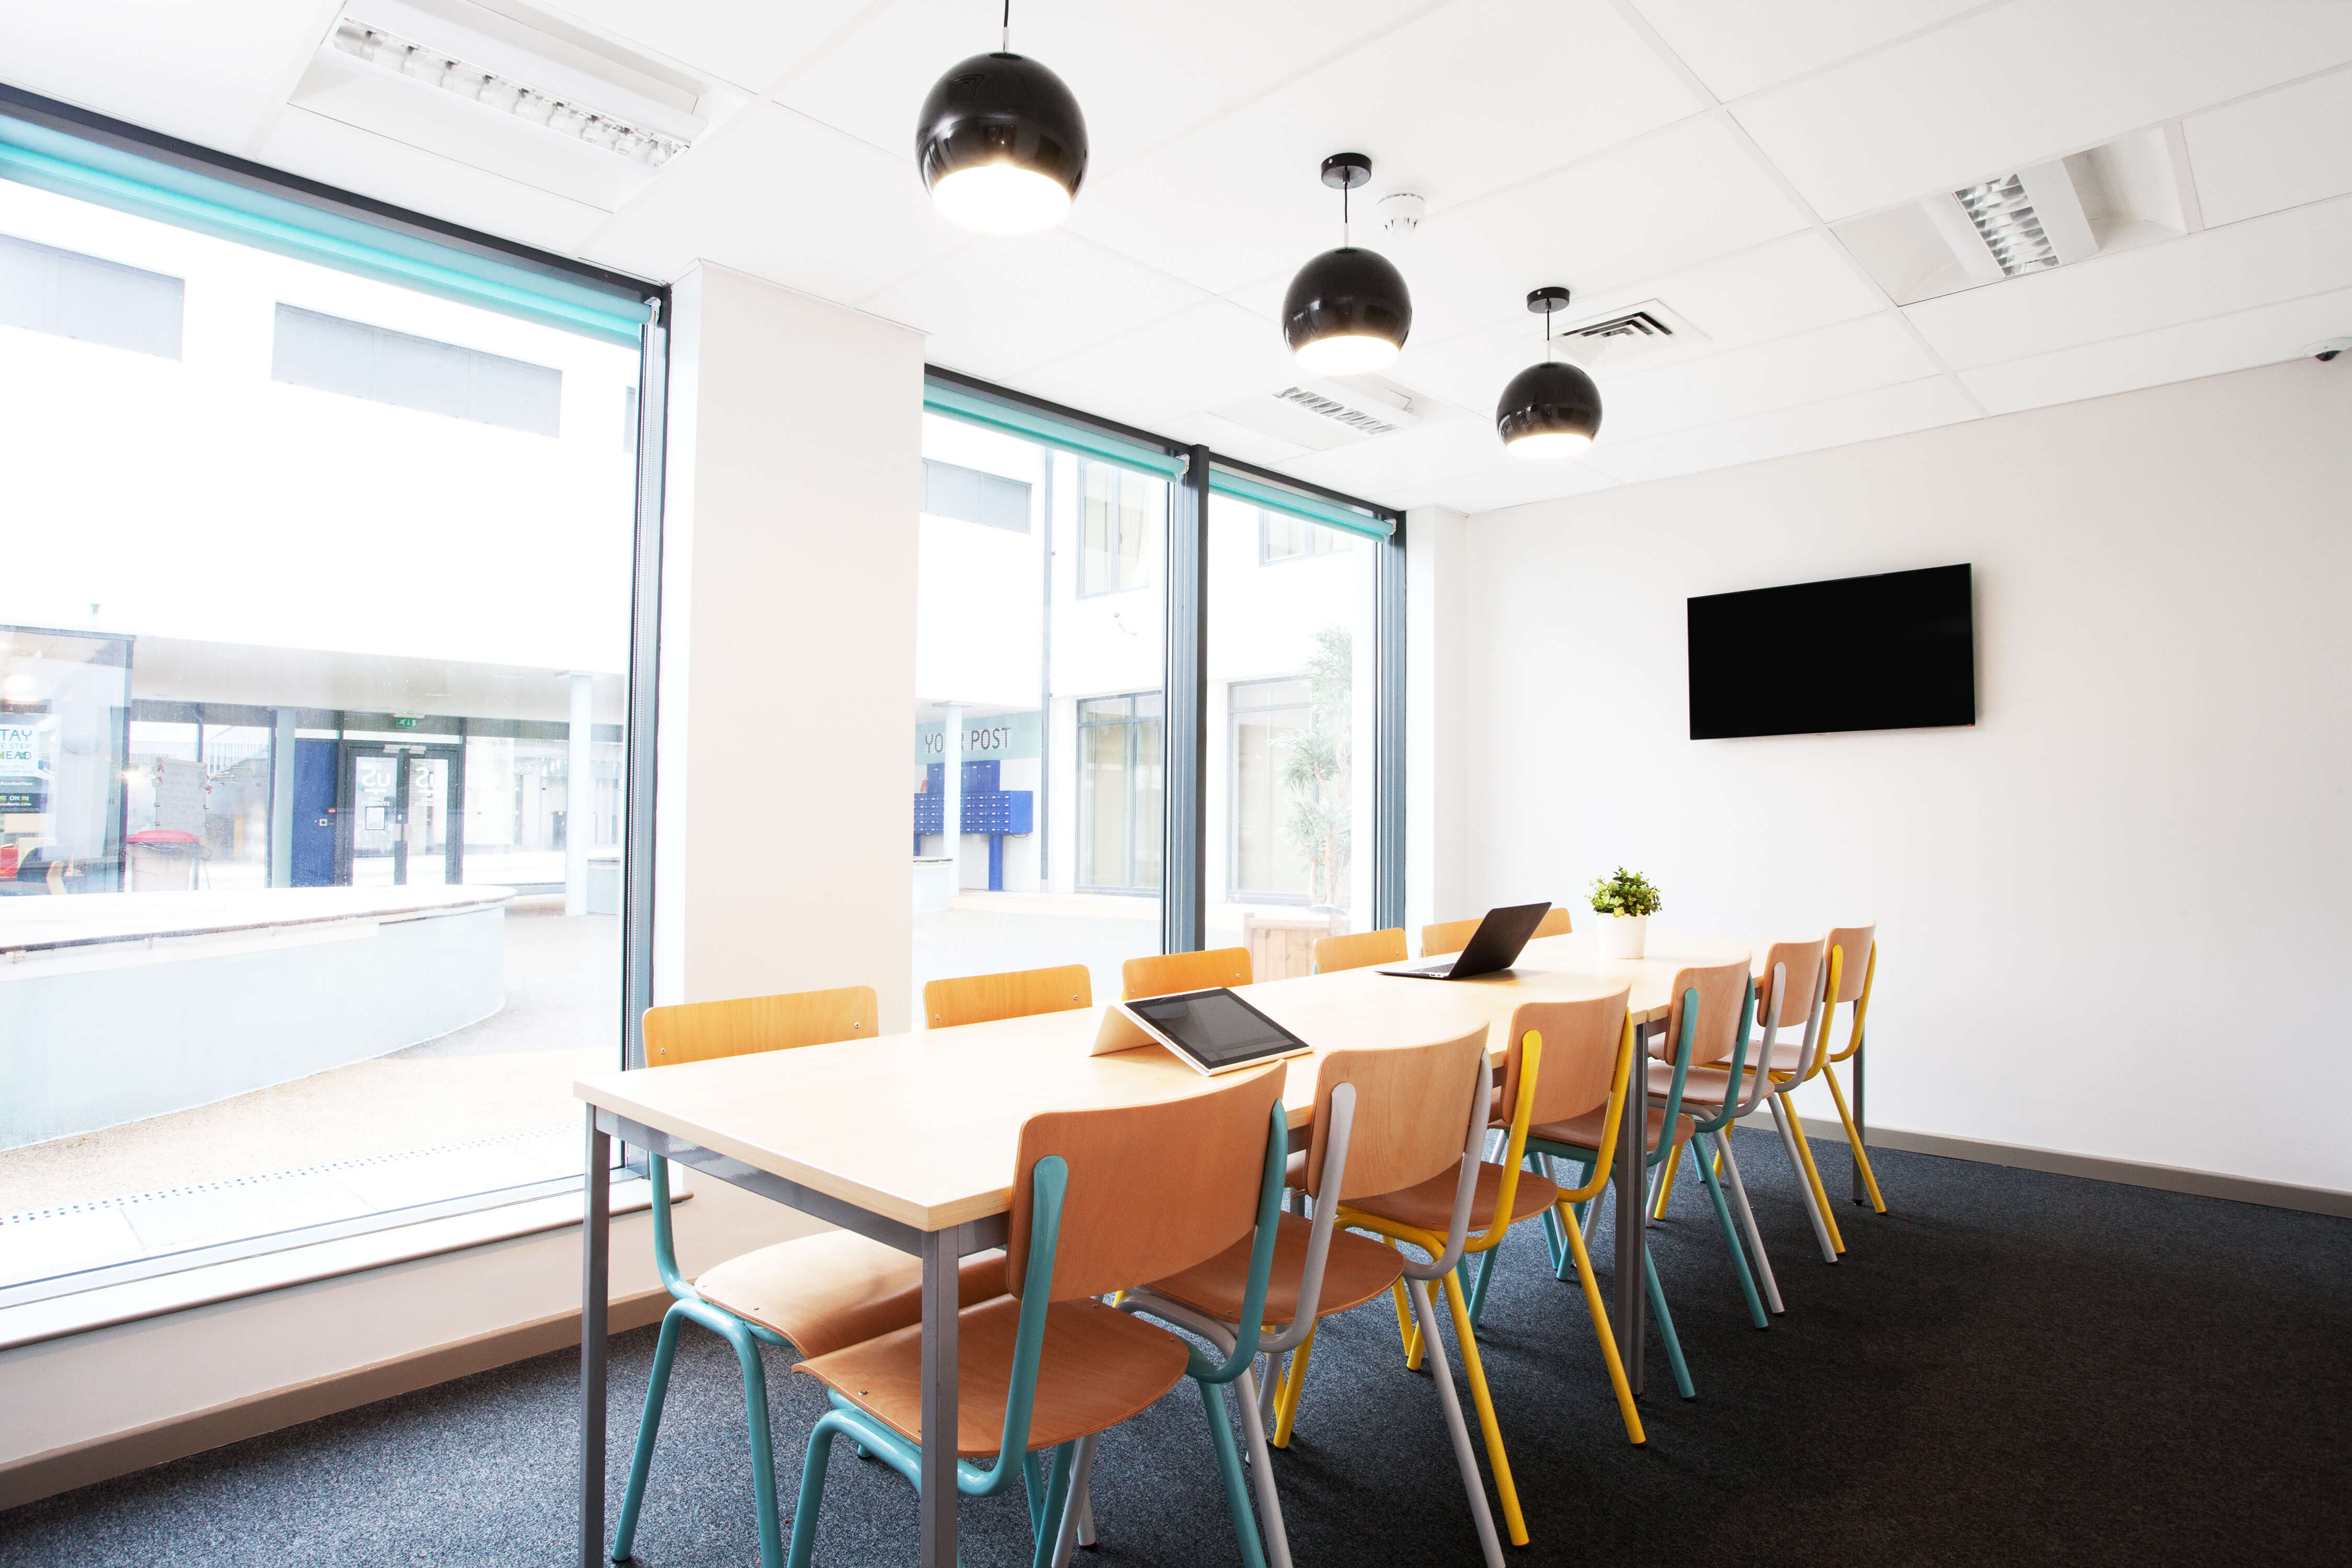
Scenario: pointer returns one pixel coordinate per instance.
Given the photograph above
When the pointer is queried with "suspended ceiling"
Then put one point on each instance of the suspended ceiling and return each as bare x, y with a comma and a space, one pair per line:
1722, 162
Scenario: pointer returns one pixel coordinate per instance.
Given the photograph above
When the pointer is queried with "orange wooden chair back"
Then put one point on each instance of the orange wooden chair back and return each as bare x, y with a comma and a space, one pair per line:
1452, 936
702, 1031
1165, 973
1581, 1040
1360, 950
1017, 993
1853, 973
1722, 996
1804, 961
1153, 1189
1411, 1105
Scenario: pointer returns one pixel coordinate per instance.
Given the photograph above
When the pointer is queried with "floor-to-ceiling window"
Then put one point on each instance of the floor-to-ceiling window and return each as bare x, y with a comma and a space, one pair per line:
315, 641
1041, 639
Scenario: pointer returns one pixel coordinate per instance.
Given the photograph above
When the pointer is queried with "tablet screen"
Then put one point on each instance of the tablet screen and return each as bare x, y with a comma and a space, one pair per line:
1216, 1028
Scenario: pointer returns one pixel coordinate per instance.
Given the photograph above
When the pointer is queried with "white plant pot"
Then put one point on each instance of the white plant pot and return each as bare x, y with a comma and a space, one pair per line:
1622, 935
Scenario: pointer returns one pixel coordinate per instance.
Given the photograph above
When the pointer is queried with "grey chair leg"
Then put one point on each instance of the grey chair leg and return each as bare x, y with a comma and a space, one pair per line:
1804, 1187
1077, 1524
1747, 1222
1269, 1505
1441, 1374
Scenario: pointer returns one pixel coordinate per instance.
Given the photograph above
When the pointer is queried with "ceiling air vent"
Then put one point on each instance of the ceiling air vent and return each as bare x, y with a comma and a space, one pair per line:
1640, 324
1356, 420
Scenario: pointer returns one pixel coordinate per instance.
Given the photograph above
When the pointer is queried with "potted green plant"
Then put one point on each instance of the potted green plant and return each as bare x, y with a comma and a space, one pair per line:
1629, 902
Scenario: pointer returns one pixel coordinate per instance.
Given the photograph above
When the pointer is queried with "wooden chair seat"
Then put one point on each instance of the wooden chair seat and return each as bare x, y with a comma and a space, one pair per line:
1356, 1269
1585, 1131
828, 1291
1430, 1207
1098, 1367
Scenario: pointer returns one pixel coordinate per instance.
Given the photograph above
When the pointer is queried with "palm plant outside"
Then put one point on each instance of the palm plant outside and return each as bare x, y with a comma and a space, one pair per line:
1315, 768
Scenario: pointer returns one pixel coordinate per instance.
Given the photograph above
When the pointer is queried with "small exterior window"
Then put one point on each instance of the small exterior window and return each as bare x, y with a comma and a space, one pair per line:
1116, 530
357, 360
1282, 537
68, 295
951, 489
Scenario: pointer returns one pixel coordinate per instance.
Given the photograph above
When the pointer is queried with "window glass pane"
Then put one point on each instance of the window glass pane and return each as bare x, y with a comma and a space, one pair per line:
1292, 619
328, 689
1038, 660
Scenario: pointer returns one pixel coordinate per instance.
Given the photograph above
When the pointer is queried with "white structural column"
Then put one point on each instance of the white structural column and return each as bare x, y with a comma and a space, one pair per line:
788, 647
951, 805
579, 795
1436, 726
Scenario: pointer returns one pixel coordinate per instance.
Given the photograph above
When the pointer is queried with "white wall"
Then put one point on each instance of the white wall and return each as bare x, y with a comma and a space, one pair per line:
794, 470
2115, 913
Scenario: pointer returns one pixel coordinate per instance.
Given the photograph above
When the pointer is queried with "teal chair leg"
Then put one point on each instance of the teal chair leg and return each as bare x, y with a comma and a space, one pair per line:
764, 1458
1046, 1513
1666, 1329
1229, 1464
1730, 1236
1478, 1293
819, 1450
625, 1538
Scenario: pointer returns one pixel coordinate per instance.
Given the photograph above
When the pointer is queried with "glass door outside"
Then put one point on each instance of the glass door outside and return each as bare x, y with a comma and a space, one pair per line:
401, 810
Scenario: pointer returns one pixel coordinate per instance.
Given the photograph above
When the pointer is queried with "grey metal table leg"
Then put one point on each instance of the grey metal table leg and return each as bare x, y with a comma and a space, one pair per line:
596, 1258
938, 1507
1632, 1240
1861, 1128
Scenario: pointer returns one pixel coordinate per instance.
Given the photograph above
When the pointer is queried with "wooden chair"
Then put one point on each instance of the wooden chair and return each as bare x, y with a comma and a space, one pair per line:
816, 1294
1384, 1120
1163, 973
1017, 993
1360, 950
1452, 936
1592, 1033
1719, 1093
1103, 1200
1855, 950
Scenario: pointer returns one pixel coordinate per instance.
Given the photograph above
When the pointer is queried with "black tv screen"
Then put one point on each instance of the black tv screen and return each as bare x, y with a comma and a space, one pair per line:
1896, 651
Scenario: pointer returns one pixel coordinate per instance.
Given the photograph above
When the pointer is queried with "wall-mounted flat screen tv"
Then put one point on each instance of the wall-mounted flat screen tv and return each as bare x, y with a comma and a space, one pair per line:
1895, 651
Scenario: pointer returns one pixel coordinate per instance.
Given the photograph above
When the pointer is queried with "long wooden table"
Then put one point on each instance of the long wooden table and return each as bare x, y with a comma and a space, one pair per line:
910, 1139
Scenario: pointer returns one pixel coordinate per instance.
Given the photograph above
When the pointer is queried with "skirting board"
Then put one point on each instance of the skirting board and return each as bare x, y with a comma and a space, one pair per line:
2131, 1173
120, 1453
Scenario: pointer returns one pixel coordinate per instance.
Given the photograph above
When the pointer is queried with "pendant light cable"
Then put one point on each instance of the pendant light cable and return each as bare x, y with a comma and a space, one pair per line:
1006, 44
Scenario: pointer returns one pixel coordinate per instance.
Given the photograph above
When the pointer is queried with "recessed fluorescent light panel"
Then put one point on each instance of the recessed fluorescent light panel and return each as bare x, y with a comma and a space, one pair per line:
2005, 220
434, 66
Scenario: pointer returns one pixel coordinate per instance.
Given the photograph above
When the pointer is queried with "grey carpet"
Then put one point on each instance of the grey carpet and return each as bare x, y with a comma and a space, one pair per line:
2011, 1367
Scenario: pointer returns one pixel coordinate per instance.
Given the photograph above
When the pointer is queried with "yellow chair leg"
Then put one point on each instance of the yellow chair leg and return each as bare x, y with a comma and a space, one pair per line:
1667, 1187
1805, 1153
1285, 1399
1861, 1157
1466, 1341
1408, 1331
1601, 1327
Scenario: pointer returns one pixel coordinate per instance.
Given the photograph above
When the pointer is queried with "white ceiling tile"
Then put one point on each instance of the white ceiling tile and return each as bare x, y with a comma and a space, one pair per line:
1860, 416
1231, 441
2284, 256
1663, 203
1213, 354
1454, 105
1785, 286
1142, 72
997, 306
2265, 335
1829, 362
1387, 465
1738, 46
2027, 82
334, 153
2277, 150
214, 74
750, 43
1508, 483
780, 196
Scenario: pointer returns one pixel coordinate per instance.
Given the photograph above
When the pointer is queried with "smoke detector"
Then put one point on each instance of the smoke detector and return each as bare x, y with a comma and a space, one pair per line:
1401, 213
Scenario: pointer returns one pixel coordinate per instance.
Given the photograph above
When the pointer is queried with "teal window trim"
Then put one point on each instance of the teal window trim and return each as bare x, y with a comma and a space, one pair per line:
955, 402
1224, 481
73, 167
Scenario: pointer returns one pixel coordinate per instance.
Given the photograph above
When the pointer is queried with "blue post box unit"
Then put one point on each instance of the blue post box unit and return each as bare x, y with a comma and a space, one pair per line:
988, 807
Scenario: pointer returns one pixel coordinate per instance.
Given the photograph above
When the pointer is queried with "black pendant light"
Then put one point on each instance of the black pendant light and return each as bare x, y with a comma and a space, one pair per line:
1001, 143
1347, 310
1549, 410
